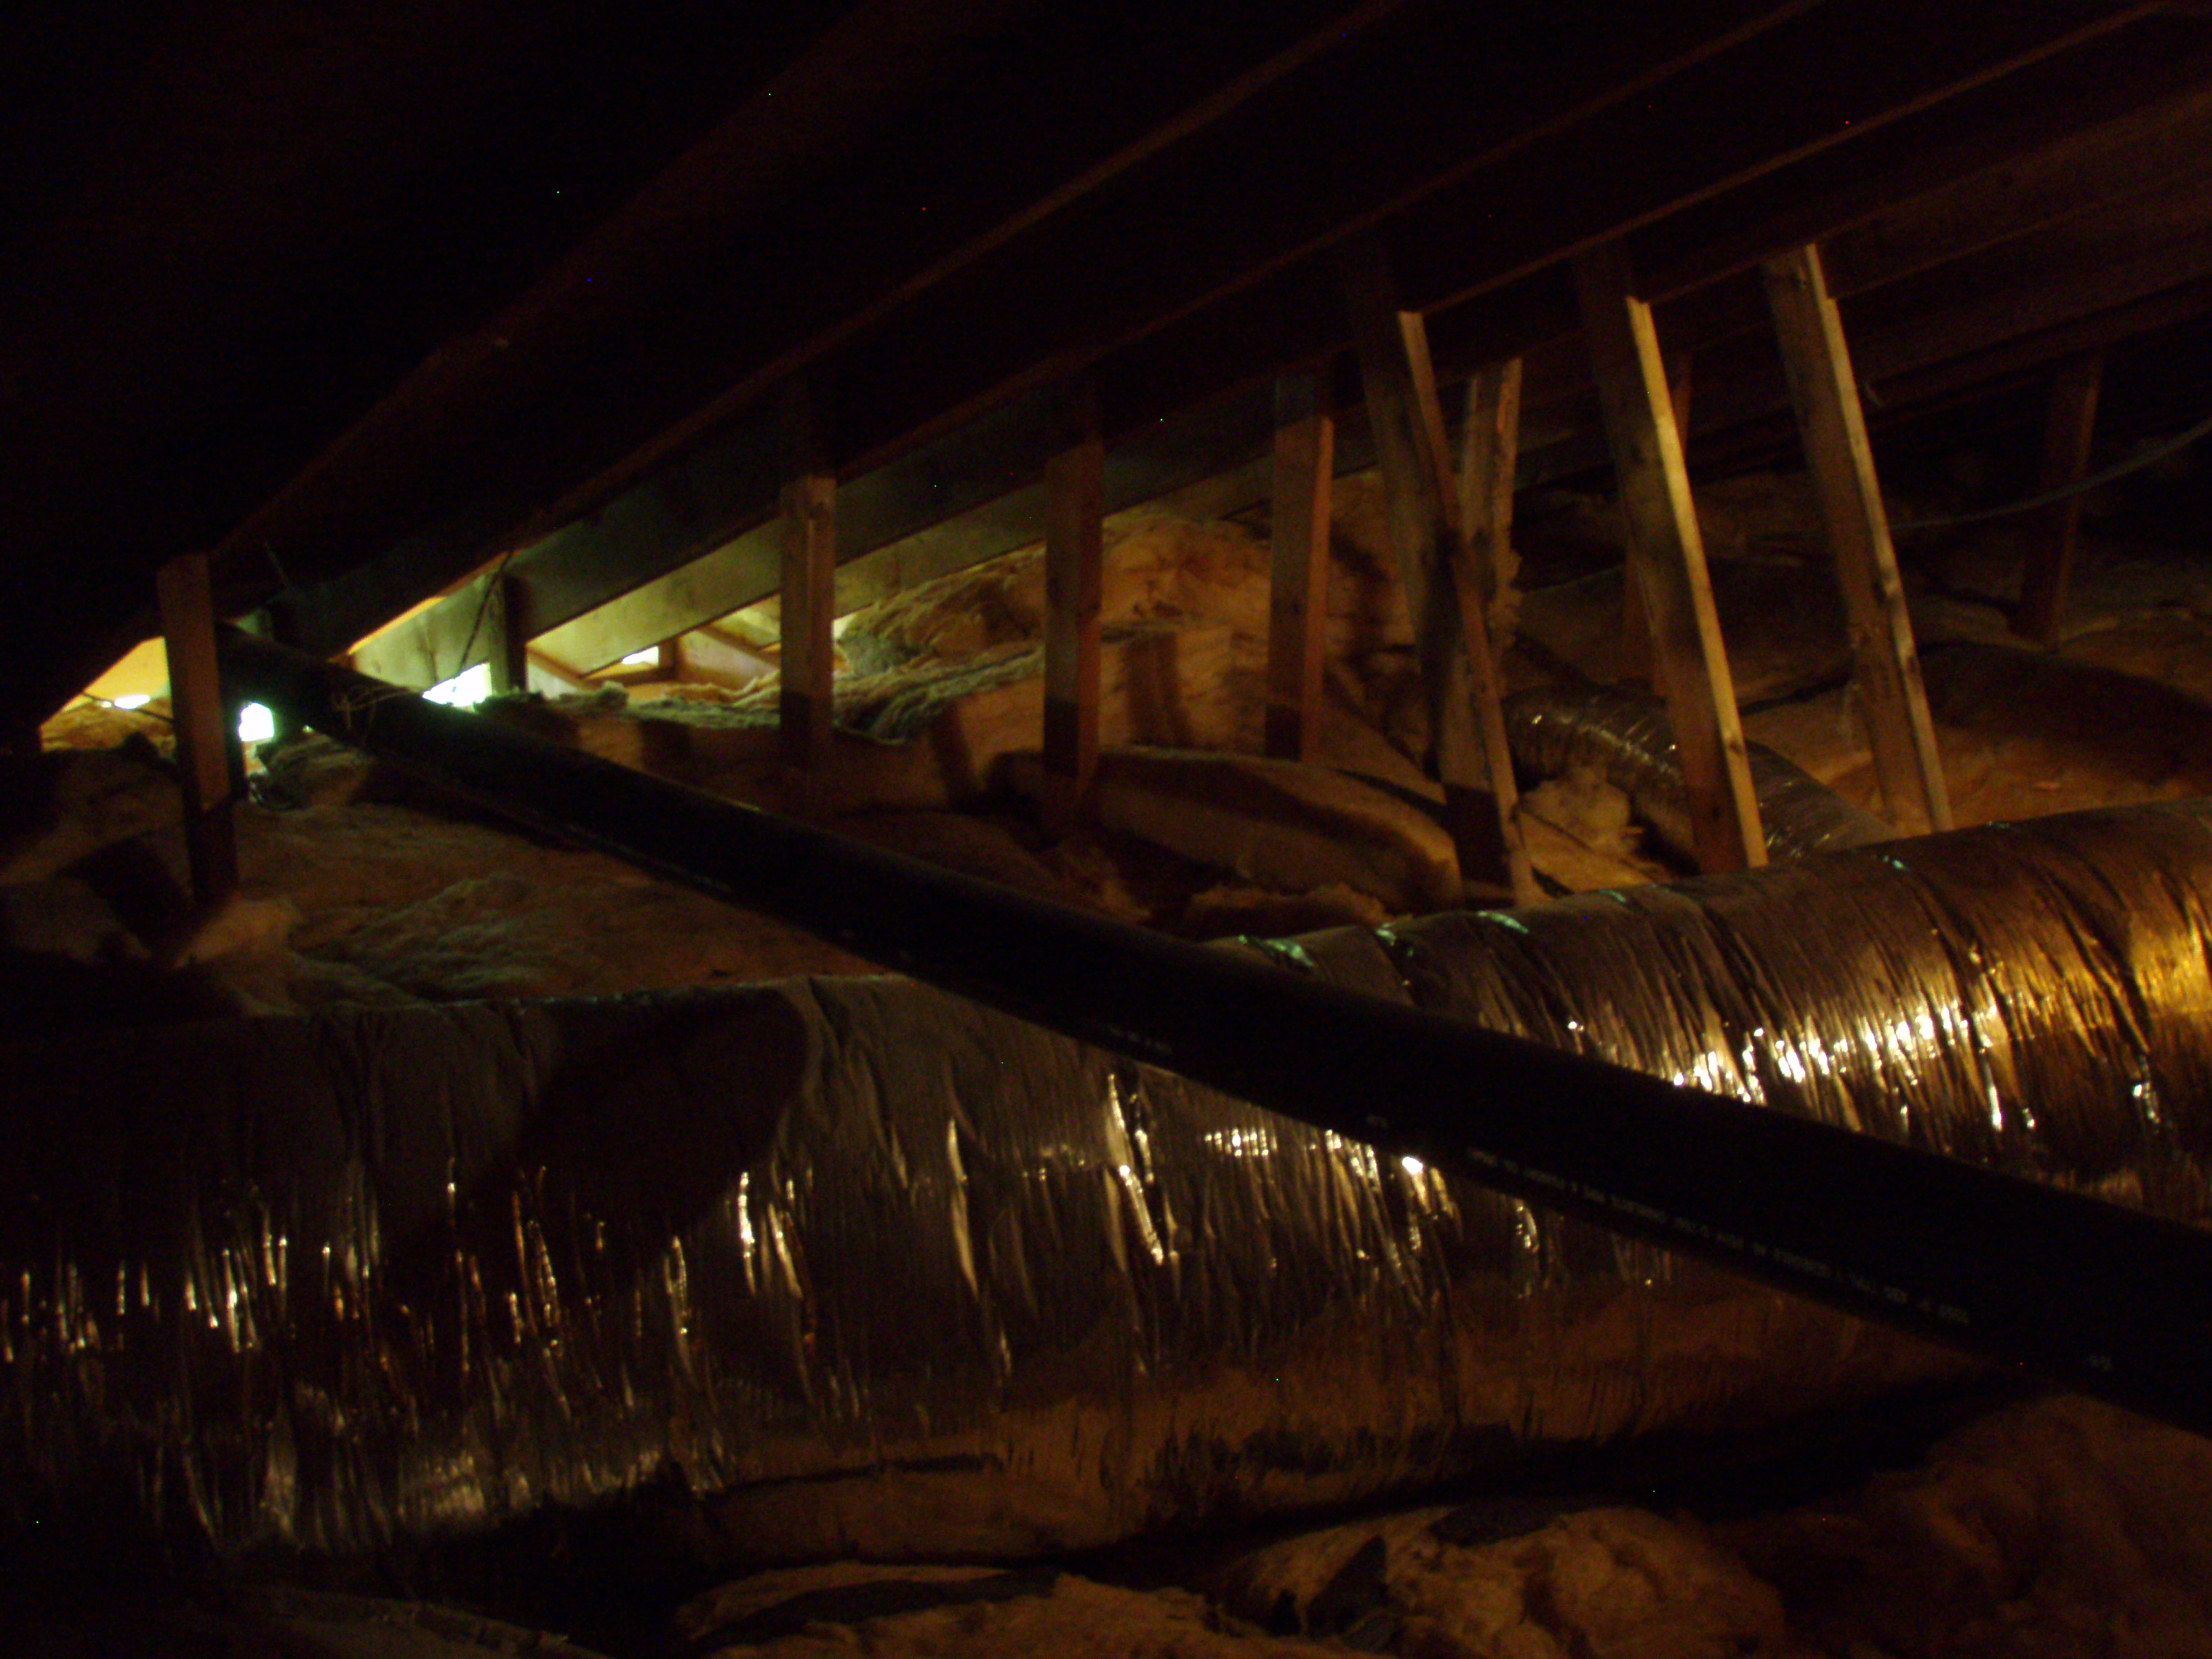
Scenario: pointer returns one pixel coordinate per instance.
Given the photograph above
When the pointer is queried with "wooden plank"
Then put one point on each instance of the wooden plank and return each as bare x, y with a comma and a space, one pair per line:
2000, 158
1907, 289
1638, 660
1298, 605
804, 701
2068, 432
555, 670
204, 734
2088, 265
1528, 175
572, 380
1470, 756
509, 624
2137, 158
1533, 191
939, 510
1489, 456
662, 526
1817, 360
1982, 361
2027, 311
722, 658
1667, 556
1074, 578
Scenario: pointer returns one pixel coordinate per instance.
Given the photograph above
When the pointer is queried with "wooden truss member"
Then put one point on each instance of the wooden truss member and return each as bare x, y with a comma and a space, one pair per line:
1074, 593
1667, 561
804, 705
510, 635
1446, 594
204, 729
1297, 608
1826, 395
2068, 432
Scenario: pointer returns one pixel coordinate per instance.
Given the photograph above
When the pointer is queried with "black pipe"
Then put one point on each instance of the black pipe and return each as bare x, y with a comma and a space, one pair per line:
2113, 1303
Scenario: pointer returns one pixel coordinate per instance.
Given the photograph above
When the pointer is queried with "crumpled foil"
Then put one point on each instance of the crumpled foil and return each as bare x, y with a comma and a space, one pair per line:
852, 1265
1630, 741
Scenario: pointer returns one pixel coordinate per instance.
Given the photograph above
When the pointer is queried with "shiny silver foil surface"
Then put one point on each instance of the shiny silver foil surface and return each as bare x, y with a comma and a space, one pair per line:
1629, 740
852, 1265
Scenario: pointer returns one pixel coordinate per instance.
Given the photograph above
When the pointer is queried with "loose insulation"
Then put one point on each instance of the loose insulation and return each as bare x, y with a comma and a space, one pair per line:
854, 1265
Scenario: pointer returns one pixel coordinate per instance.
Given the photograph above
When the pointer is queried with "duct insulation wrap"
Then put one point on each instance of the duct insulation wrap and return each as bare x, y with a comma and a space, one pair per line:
856, 1265
1630, 742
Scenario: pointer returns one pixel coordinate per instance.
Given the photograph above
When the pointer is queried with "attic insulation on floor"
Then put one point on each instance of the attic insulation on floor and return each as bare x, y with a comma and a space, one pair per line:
462, 1232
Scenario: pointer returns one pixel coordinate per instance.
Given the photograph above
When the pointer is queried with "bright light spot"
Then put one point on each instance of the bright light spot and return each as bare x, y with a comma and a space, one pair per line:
1412, 1165
256, 724
648, 658
464, 690
135, 700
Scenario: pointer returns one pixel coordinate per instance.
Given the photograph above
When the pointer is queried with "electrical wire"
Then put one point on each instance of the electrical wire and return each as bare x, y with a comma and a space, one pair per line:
2051, 497
484, 604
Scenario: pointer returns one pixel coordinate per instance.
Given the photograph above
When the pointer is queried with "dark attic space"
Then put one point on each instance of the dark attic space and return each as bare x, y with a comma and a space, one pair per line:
1127, 831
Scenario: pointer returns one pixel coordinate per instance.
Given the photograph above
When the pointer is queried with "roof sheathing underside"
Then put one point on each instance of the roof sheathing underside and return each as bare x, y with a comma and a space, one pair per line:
361, 303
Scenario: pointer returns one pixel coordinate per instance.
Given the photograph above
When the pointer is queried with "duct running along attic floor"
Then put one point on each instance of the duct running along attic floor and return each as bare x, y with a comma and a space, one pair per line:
2048, 1526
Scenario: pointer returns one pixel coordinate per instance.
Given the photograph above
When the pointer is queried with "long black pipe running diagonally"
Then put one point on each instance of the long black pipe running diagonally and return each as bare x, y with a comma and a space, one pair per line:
2111, 1302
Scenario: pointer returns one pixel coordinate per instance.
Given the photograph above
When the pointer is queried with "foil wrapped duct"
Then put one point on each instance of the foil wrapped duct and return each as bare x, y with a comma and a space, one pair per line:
1630, 742
852, 1265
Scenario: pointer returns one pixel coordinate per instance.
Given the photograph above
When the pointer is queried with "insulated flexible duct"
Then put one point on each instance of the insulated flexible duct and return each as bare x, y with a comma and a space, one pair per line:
855, 1264
1630, 741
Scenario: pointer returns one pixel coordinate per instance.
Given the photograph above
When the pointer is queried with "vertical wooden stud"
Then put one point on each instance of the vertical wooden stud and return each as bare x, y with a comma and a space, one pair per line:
2067, 431
1666, 558
804, 703
1489, 457
1817, 359
1636, 658
510, 636
205, 734
1074, 591
1444, 591
1298, 610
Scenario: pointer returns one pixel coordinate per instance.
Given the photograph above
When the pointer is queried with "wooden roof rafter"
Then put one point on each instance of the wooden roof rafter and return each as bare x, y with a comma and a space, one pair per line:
703, 500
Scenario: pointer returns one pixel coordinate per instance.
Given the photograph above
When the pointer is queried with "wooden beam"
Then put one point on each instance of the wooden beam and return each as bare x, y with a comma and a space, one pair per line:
805, 703
553, 669
1443, 591
1297, 608
204, 734
1924, 279
692, 506
2007, 154
1489, 456
722, 658
2088, 265
1638, 660
2024, 306
2068, 432
1667, 558
1074, 576
571, 381
508, 624
1817, 360
1532, 188
2176, 307
1225, 317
